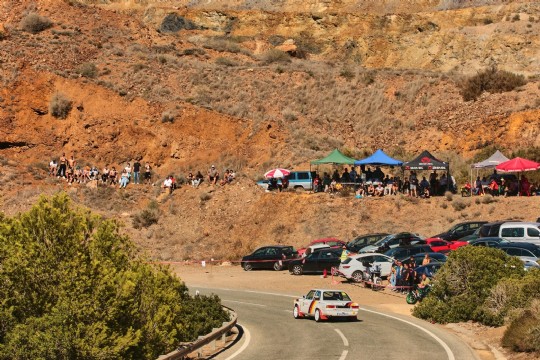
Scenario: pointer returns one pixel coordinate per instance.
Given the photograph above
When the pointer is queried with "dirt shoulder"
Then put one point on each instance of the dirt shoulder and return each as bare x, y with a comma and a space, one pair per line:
484, 340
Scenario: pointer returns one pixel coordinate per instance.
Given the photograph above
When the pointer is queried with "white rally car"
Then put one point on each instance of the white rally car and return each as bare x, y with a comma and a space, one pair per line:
323, 304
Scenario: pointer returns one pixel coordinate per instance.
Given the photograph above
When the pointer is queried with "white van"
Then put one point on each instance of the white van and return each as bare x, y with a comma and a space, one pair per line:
520, 232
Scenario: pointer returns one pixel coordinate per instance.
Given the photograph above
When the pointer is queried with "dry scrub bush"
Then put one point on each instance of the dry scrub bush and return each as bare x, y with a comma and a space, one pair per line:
205, 197
168, 116
34, 23
490, 80
88, 70
523, 334
60, 105
275, 55
460, 205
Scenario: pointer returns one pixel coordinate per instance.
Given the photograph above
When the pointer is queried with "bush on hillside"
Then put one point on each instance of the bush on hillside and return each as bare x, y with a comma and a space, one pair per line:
464, 283
34, 23
523, 334
60, 106
275, 55
147, 217
88, 70
490, 80
72, 287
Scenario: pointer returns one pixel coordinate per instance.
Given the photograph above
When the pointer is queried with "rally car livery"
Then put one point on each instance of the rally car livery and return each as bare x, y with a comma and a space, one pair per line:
324, 304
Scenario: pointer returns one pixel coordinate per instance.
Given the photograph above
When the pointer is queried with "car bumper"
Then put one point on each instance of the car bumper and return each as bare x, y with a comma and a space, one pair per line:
340, 312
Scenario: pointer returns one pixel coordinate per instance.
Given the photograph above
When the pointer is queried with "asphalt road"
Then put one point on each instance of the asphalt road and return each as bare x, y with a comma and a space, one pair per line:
271, 332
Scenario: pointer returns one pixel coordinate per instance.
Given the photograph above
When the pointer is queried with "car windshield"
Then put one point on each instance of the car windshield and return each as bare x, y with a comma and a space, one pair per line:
383, 240
336, 295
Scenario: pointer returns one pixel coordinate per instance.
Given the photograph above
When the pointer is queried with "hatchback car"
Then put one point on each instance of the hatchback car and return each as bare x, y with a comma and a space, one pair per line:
269, 257
460, 230
403, 252
353, 267
362, 241
488, 241
316, 262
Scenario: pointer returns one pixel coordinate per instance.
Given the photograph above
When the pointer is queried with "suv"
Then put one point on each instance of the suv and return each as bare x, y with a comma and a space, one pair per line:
297, 180
460, 230
491, 229
520, 232
403, 252
269, 257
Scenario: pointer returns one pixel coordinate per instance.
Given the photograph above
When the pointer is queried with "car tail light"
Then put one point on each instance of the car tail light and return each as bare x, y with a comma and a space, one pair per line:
345, 266
330, 306
354, 306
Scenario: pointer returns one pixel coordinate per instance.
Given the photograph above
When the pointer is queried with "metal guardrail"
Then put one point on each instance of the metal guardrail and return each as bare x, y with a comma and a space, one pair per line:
185, 349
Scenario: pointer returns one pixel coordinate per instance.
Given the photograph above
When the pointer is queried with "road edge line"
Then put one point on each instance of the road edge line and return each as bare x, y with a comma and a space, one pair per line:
244, 345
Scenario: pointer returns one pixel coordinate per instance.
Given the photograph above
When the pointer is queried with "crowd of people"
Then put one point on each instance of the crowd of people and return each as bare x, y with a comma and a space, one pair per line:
68, 169
376, 183
500, 185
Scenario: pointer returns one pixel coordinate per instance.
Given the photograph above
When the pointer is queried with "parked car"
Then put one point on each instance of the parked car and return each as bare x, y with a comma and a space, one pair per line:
403, 252
353, 267
473, 236
430, 270
526, 251
269, 257
316, 262
520, 232
529, 264
362, 241
330, 241
491, 229
491, 241
435, 257
392, 241
323, 304
460, 230
440, 245
297, 180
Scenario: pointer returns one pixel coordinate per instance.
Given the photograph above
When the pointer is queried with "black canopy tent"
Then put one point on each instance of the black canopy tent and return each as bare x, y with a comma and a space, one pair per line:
426, 161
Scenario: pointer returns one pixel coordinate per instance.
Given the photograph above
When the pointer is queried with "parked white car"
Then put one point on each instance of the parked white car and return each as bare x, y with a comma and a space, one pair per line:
322, 304
520, 232
353, 269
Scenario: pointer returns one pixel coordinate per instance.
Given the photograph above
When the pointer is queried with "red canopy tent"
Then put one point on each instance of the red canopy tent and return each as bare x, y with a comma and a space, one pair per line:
518, 165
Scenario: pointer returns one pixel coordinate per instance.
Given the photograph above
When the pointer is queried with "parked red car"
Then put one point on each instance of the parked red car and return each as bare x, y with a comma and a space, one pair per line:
331, 241
443, 246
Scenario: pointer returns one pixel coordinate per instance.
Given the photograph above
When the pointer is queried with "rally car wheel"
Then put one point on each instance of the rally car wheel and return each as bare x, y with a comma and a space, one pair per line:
317, 315
296, 313
297, 270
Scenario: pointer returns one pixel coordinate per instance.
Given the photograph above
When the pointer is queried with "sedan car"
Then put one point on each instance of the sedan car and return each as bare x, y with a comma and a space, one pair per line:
459, 230
353, 267
269, 257
404, 252
362, 241
323, 304
392, 241
330, 241
316, 262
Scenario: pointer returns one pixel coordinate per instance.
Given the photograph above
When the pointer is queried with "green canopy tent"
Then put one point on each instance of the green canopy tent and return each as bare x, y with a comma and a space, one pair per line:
336, 157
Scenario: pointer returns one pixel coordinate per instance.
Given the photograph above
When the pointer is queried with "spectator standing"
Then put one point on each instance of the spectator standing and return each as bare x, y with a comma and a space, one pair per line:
344, 254
136, 172
128, 170
353, 175
72, 162
105, 174
326, 182
147, 173
63, 166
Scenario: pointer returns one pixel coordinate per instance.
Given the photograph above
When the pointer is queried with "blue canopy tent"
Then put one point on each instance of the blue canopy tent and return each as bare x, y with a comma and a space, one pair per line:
379, 158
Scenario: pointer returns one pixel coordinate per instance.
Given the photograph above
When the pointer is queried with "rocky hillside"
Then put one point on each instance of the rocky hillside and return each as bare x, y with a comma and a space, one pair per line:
254, 84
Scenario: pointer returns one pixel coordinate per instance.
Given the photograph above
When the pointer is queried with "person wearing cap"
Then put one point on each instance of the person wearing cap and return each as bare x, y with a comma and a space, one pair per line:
213, 175
344, 254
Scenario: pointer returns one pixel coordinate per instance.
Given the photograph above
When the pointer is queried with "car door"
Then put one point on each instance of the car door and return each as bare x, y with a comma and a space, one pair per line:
266, 259
459, 232
439, 246
256, 258
305, 302
327, 260
310, 262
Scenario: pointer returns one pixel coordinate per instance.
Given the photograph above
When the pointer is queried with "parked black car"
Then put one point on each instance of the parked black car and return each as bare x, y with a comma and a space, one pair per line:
316, 262
390, 241
364, 240
488, 241
404, 252
520, 249
460, 230
269, 257
429, 270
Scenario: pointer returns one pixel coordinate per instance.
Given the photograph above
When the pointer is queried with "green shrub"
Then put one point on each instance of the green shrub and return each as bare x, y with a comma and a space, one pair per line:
74, 288
60, 106
464, 283
523, 334
491, 80
147, 217
34, 23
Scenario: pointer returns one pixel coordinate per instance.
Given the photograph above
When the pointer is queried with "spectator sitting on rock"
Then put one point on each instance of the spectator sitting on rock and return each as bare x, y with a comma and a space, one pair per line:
225, 179
198, 179
232, 175
213, 175
124, 179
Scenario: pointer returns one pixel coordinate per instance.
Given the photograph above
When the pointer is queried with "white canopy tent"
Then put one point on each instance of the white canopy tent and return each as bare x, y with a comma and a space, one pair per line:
490, 163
